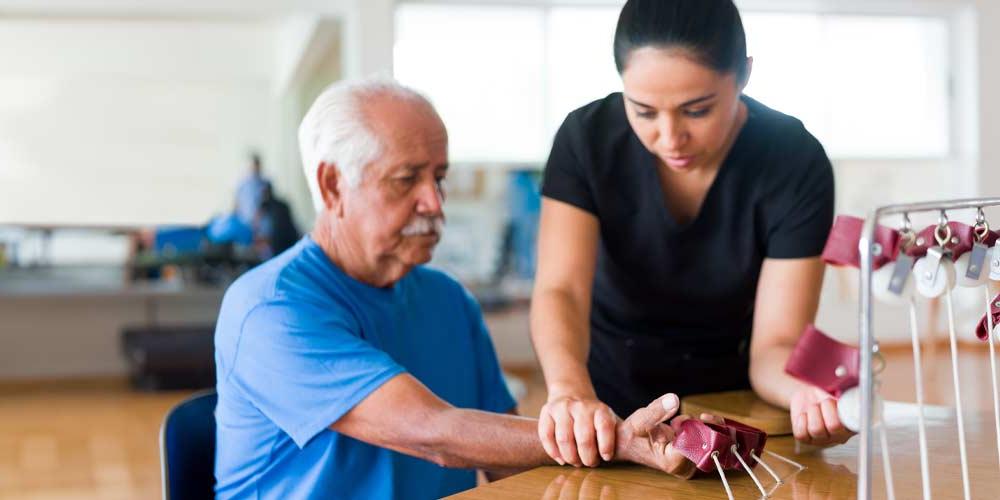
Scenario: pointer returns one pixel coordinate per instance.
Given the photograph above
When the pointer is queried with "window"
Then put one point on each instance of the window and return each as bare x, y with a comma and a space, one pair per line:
866, 86
504, 77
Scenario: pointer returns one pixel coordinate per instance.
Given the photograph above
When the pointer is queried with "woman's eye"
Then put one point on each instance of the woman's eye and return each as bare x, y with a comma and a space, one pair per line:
406, 180
647, 115
697, 113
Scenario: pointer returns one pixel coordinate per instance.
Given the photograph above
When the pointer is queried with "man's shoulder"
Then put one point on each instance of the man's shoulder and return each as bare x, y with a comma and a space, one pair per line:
293, 279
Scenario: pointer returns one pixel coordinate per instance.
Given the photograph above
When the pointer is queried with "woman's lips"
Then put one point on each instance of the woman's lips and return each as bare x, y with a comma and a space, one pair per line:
678, 161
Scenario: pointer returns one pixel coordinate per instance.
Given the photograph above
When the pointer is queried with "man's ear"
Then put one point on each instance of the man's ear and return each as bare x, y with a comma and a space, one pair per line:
328, 179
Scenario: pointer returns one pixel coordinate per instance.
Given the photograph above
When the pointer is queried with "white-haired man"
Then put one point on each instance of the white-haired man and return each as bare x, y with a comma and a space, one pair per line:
347, 370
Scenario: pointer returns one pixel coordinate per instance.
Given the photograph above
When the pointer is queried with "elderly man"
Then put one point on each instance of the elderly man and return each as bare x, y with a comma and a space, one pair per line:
347, 370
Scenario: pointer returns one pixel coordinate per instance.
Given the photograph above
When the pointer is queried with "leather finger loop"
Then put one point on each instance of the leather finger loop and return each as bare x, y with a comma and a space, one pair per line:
698, 441
982, 330
824, 362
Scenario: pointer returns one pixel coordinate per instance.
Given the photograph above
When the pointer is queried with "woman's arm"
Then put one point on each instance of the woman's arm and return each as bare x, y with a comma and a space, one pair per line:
574, 426
787, 299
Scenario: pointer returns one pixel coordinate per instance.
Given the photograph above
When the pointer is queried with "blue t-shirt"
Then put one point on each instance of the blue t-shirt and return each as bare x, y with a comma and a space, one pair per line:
299, 343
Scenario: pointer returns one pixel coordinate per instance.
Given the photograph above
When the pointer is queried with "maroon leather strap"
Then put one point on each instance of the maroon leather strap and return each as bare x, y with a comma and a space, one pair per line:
962, 238
698, 440
982, 328
842, 245
823, 362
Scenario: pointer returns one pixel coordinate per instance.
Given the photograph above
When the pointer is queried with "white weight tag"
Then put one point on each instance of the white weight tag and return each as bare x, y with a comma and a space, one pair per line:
934, 275
849, 409
995, 262
969, 267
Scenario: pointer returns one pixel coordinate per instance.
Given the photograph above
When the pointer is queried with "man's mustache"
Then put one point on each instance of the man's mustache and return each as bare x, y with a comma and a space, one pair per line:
424, 225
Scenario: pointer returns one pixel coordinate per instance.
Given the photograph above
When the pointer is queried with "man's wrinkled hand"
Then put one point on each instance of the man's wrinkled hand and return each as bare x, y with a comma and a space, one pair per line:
645, 439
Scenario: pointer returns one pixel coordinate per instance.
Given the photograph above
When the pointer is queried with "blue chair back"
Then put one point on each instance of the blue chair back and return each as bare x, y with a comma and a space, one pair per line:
187, 448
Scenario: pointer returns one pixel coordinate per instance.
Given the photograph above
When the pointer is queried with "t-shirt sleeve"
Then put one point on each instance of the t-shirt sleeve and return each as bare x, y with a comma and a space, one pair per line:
304, 368
493, 393
801, 210
565, 176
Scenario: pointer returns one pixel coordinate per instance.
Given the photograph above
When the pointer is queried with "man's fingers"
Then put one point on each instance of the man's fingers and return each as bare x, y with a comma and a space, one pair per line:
712, 419
605, 423
547, 435
586, 439
677, 464
663, 408
565, 439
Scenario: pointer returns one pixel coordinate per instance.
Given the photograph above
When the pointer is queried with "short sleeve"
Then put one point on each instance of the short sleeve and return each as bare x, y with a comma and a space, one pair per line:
493, 392
304, 369
565, 177
801, 210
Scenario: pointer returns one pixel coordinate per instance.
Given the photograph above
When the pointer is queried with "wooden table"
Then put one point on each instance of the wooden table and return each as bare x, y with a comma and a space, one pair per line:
831, 473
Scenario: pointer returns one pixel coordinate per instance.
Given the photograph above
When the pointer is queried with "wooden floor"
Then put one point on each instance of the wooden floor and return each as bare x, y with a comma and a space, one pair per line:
98, 440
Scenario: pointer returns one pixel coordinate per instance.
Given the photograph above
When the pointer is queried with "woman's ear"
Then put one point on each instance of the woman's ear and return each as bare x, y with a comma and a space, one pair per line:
328, 180
746, 74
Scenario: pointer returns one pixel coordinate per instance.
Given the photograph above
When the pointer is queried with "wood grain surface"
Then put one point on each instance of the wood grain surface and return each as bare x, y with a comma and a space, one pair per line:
831, 473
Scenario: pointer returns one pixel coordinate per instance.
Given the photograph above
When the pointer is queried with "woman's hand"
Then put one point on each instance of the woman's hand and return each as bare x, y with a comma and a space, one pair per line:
814, 418
577, 431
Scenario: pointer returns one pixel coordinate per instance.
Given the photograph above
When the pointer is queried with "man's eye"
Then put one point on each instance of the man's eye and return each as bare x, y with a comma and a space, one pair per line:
647, 115
410, 179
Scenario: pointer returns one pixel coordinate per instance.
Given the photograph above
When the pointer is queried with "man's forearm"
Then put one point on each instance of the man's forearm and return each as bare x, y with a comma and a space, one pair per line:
482, 440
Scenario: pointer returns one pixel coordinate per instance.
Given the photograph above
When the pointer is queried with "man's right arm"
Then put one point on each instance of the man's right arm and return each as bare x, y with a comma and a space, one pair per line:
403, 415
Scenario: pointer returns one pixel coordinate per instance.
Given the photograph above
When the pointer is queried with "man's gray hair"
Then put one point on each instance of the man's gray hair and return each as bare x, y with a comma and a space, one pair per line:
335, 130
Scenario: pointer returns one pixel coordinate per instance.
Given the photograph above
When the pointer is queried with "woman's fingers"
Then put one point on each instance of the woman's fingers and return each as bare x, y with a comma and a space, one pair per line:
585, 434
800, 428
838, 433
816, 425
605, 423
565, 438
547, 435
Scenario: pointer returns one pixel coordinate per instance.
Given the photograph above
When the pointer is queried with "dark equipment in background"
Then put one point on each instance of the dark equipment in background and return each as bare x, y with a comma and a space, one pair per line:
168, 358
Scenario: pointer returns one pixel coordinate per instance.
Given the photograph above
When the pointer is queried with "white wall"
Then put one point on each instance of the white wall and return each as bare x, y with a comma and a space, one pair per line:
129, 121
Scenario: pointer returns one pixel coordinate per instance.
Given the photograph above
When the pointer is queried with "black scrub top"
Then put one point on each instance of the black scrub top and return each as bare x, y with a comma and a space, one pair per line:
673, 303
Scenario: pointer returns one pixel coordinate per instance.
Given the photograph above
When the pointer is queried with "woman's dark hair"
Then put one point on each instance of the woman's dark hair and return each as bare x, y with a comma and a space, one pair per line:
711, 31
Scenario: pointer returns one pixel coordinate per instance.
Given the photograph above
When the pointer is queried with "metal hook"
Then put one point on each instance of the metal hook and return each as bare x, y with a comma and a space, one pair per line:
982, 227
878, 359
906, 234
942, 234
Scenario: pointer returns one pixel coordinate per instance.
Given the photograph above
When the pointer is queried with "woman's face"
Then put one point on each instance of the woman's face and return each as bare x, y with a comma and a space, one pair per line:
683, 112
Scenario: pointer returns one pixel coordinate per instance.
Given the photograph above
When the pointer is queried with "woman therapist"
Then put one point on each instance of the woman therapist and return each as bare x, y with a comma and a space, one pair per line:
681, 229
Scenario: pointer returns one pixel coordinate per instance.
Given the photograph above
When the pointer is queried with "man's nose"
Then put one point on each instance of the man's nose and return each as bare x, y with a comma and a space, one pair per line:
430, 198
